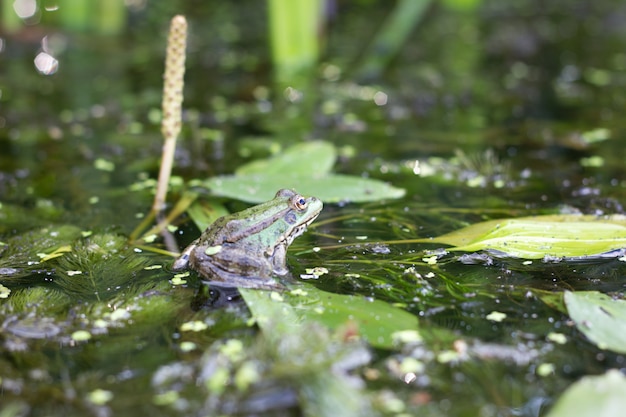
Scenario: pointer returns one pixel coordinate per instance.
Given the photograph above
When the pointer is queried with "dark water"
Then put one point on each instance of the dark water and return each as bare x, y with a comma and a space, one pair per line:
493, 106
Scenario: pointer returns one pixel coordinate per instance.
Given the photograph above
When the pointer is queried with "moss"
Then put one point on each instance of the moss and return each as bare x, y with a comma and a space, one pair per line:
27, 300
25, 258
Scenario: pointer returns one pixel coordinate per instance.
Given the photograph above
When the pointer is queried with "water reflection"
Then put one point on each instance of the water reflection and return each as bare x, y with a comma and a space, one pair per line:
25, 9
46, 63
210, 296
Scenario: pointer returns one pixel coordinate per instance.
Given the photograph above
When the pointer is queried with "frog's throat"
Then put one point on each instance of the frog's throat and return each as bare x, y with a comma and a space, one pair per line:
299, 229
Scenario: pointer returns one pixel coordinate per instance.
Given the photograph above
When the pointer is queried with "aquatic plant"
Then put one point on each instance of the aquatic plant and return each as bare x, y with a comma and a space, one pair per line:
295, 28
173, 83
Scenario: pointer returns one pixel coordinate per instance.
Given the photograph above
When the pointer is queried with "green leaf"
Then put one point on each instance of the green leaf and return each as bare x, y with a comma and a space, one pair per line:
376, 320
323, 391
593, 396
331, 188
304, 167
205, 213
307, 158
552, 299
536, 237
599, 317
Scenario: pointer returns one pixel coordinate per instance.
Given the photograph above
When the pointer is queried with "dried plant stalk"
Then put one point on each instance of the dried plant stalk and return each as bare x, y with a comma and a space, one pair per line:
173, 82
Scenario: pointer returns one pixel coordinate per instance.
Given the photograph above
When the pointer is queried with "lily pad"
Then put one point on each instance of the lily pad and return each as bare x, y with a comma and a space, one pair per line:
330, 188
324, 385
305, 167
599, 317
375, 321
593, 396
316, 157
559, 236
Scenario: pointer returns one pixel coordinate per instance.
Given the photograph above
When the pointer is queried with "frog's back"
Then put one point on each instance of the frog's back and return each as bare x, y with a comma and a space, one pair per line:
217, 232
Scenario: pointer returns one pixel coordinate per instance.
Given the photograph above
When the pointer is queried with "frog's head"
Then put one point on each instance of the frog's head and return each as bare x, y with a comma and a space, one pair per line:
274, 223
300, 212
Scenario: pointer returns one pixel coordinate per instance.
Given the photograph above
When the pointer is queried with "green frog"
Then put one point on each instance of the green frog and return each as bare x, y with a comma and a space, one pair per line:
249, 248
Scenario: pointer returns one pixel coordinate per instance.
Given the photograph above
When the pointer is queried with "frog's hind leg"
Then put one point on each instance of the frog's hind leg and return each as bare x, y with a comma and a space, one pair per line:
183, 260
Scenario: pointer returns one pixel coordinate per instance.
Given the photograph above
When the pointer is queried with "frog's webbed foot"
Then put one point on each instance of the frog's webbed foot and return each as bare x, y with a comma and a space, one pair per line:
280, 270
182, 262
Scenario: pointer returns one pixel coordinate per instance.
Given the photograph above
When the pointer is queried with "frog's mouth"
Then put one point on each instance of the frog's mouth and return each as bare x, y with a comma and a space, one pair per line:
300, 229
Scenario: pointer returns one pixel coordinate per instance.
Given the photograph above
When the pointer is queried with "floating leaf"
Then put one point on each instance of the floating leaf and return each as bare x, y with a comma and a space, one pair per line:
599, 317
317, 157
331, 188
320, 379
552, 299
305, 167
569, 236
593, 396
376, 320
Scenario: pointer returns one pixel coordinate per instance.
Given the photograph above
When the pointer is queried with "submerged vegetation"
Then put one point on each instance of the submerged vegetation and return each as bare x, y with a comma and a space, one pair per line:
469, 259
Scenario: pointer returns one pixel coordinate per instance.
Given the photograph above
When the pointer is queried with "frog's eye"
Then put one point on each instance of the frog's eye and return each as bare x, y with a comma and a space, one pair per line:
299, 202
284, 193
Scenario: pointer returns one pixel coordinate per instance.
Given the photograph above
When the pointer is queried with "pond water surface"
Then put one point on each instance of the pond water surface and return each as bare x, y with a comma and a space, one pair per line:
495, 112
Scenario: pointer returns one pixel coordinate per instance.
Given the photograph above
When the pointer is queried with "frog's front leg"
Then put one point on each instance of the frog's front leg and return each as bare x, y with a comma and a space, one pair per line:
279, 260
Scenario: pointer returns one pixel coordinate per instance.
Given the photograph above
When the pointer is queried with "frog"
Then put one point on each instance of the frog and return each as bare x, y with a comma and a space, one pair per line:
249, 248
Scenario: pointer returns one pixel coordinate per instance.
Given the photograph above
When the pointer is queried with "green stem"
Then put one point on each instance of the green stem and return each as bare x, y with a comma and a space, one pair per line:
393, 34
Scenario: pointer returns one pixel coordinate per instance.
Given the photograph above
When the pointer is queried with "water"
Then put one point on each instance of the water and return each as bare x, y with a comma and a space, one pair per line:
515, 90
